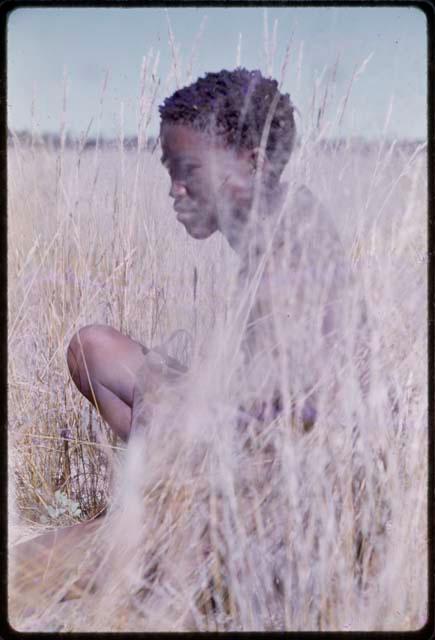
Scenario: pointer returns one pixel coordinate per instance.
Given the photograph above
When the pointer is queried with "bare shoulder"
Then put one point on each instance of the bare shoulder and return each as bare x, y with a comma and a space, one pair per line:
305, 237
309, 209
304, 198
308, 232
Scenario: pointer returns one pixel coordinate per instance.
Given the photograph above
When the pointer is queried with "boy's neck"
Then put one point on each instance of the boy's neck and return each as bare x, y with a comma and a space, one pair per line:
269, 204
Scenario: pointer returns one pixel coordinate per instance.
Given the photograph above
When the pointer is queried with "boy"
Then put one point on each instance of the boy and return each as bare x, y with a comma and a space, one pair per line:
225, 141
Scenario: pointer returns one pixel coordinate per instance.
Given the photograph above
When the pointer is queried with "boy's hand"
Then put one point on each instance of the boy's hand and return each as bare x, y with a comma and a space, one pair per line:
309, 414
159, 371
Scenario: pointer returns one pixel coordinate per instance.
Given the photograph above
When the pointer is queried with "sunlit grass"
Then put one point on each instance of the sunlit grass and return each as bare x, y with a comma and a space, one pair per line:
210, 527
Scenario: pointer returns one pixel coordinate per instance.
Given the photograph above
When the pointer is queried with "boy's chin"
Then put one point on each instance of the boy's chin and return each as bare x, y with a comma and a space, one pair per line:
200, 233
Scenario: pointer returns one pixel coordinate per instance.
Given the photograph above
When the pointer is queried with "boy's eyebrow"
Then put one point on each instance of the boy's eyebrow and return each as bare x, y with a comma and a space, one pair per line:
181, 157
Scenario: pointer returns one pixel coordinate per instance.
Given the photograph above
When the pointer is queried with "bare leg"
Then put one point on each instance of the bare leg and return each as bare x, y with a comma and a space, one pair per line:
104, 364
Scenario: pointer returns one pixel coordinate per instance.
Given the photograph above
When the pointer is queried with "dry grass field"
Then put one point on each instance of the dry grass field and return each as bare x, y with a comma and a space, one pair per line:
205, 530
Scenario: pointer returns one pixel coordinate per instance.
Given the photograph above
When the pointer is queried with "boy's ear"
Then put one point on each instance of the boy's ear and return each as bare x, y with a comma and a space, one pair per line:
258, 159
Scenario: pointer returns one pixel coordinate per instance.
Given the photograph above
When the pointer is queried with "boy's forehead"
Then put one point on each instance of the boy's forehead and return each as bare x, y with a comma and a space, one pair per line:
176, 138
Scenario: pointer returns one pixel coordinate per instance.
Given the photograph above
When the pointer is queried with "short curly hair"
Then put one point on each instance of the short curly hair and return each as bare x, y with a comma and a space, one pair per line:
235, 104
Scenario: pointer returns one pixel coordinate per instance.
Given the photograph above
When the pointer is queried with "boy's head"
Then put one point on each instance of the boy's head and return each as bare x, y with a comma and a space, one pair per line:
211, 135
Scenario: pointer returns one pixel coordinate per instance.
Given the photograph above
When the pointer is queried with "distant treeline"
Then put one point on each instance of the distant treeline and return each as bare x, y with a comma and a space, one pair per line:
363, 145
54, 141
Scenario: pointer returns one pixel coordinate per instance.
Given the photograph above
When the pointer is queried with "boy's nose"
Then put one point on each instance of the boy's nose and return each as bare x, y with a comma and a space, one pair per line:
177, 189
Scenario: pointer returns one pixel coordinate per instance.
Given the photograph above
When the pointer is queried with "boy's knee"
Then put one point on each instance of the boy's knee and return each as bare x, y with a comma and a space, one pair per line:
83, 351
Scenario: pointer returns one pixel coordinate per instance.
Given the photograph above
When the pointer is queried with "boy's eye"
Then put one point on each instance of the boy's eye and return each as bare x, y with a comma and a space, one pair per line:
188, 167
184, 170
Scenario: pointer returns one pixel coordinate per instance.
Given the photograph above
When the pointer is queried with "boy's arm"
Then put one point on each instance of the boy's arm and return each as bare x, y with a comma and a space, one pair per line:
317, 263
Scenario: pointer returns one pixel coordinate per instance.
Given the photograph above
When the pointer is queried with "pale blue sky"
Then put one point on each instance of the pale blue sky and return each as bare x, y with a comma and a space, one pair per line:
86, 42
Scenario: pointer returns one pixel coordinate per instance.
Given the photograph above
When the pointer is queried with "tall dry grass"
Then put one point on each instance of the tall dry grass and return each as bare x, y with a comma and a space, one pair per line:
209, 528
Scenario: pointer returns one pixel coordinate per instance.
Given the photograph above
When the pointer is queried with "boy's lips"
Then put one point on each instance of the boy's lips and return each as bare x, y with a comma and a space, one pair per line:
183, 208
184, 217
185, 212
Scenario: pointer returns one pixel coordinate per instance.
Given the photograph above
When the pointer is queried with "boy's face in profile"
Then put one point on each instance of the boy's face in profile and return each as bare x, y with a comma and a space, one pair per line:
212, 184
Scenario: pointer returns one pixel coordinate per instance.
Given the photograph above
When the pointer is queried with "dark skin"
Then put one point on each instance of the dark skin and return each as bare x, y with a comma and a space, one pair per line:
212, 186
